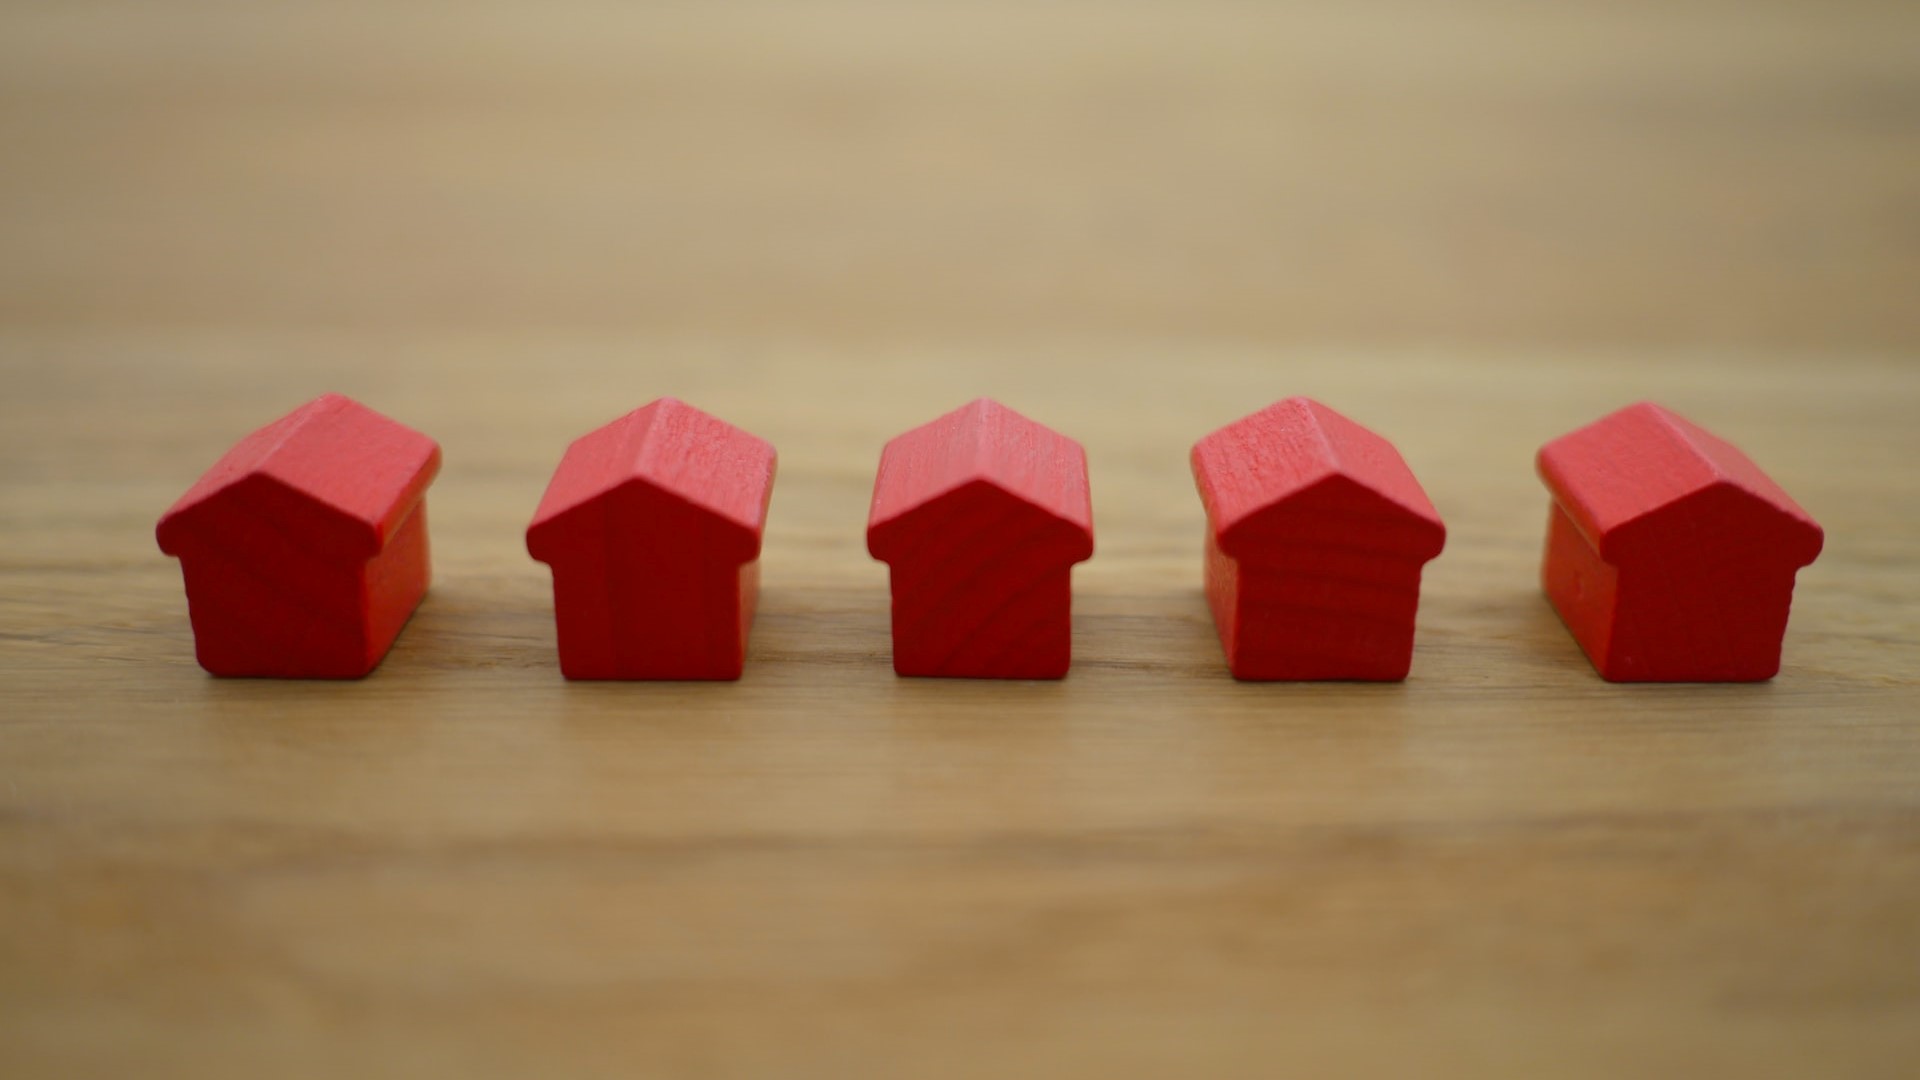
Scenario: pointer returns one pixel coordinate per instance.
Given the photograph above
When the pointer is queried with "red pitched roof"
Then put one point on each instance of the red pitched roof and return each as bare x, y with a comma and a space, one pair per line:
981, 442
1645, 469
1282, 460
333, 473
675, 449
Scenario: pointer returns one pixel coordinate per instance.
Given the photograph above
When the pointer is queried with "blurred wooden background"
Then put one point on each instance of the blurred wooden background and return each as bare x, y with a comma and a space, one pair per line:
1470, 226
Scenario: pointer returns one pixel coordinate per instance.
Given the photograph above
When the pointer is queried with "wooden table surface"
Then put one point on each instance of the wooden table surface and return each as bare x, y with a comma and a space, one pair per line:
1471, 227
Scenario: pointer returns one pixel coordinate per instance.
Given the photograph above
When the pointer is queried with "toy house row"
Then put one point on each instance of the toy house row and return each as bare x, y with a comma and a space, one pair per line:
1670, 556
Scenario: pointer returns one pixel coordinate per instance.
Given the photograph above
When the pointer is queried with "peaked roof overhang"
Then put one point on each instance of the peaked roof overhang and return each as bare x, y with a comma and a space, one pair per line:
1640, 472
333, 474
1270, 471
670, 448
982, 446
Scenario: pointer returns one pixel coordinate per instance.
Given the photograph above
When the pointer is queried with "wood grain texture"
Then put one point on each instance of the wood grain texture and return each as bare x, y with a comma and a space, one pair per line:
1475, 227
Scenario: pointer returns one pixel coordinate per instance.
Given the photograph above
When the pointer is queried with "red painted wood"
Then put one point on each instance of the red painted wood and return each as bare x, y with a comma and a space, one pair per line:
305, 548
1316, 535
980, 516
1670, 556
652, 525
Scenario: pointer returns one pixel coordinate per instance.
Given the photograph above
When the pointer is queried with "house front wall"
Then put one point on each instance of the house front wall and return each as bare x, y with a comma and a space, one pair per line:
982, 587
1012, 621
649, 590
1704, 608
263, 605
274, 611
1701, 619
1308, 612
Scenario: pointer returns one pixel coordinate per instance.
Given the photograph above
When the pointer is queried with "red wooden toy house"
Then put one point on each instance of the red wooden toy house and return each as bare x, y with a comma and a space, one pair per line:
1670, 555
305, 547
652, 525
1316, 535
981, 515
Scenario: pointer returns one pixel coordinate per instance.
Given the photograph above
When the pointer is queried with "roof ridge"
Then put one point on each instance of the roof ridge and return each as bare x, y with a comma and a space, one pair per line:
985, 428
1689, 434
1314, 409
302, 418
638, 448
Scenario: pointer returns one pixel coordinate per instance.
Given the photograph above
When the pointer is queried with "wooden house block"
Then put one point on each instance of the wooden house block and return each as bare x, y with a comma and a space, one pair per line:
305, 547
652, 525
1670, 555
1316, 535
980, 516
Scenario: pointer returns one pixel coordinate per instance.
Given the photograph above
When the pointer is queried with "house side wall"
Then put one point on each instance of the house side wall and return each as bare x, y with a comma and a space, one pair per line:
1582, 588
1223, 586
747, 581
395, 581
